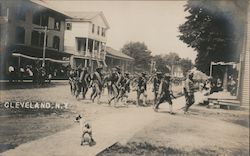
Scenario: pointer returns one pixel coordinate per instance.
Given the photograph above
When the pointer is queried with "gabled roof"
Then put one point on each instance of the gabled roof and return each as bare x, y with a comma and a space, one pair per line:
86, 16
117, 54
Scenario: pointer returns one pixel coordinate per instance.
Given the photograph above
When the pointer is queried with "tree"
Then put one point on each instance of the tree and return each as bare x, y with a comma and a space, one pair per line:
165, 62
139, 51
210, 33
186, 65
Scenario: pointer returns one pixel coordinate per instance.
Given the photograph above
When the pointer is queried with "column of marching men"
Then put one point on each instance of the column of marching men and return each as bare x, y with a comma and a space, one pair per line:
119, 86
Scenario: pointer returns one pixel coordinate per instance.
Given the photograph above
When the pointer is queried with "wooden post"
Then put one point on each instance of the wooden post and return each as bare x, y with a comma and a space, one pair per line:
211, 69
92, 64
225, 79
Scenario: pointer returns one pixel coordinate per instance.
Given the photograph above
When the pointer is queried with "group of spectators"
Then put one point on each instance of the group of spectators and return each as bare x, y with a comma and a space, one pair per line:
211, 86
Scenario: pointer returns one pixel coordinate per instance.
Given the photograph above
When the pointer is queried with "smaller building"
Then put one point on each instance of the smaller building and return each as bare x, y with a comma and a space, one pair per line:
117, 58
177, 71
85, 38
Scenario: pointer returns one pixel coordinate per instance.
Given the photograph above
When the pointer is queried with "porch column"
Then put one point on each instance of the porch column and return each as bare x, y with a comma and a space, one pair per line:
92, 65
99, 49
86, 47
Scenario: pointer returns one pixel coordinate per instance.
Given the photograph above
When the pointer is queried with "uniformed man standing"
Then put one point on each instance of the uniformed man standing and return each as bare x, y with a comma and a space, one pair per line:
142, 88
97, 84
156, 84
189, 92
164, 93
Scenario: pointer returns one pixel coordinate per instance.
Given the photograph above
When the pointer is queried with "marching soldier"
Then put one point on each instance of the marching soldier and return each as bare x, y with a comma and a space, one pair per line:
97, 84
78, 82
189, 92
156, 84
84, 80
125, 88
142, 88
116, 79
164, 93
72, 75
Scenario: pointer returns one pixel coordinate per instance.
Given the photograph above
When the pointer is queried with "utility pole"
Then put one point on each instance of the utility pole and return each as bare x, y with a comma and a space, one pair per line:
45, 29
44, 45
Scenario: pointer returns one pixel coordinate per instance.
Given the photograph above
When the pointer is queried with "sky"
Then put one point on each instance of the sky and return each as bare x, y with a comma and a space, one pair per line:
153, 22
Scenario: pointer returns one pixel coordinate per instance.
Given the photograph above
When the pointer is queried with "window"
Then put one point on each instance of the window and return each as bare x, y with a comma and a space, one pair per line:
36, 18
78, 45
37, 38
68, 26
40, 18
93, 28
20, 35
103, 32
98, 30
56, 42
57, 25
21, 13
44, 20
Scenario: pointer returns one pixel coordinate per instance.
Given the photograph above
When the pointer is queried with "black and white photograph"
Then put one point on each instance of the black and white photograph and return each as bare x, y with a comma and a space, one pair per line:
124, 77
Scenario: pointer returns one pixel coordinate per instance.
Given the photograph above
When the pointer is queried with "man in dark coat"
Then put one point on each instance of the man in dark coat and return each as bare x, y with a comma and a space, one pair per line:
84, 80
189, 92
164, 93
156, 84
142, 88
97, 84
116, 79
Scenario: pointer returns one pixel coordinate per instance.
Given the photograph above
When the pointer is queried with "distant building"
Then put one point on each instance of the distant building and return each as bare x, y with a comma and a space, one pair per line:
85, 38
22, 32
177, 71
117, 58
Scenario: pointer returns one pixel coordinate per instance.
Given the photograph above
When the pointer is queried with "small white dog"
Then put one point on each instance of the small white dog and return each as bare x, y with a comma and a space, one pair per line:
86, 130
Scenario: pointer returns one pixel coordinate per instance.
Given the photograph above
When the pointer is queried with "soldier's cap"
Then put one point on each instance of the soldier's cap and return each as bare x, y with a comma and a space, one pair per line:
143, 73
126, 73
158, 73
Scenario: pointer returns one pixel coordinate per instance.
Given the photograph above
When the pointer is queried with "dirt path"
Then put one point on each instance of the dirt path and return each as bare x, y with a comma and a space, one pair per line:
107, 130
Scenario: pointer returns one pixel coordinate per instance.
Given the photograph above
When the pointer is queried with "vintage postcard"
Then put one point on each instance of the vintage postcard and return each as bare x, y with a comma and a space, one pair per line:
124, 77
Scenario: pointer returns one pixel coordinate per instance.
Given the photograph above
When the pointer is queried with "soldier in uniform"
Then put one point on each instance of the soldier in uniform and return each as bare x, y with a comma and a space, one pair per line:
142, 88
189, 92
164, 93
125, 87
84, 80
97, 84
72, 75
78, 82
116, 79
156, 84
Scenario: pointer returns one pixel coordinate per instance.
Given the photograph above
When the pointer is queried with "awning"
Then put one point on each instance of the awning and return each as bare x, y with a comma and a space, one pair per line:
36, 58
37, 52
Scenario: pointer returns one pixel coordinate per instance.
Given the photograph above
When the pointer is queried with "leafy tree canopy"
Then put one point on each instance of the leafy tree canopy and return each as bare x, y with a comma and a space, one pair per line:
139, 51
210, 33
